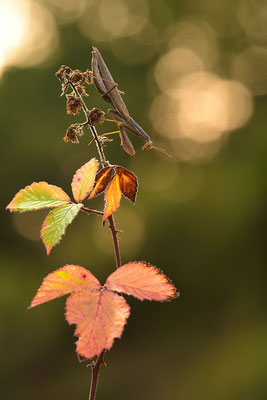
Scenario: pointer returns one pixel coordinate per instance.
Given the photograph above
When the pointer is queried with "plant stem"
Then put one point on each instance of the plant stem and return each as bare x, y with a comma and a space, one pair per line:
114, 233
91, 211
103, 160
99, 146
100, 359
95, 372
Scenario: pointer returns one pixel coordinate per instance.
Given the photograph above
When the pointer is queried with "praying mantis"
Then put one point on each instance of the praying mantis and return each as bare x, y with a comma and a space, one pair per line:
108, 89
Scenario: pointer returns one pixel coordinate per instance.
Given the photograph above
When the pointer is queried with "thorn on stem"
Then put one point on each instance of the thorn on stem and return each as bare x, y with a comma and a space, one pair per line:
104, 362
91, 365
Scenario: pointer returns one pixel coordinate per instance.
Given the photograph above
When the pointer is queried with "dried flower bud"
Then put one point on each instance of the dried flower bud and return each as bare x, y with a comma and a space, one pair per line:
96, 116
72, 133
88, 77
74, 104
77, 76
63, 73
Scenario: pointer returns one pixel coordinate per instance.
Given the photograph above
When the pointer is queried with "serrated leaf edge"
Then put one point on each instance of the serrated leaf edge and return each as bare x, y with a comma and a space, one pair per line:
48, 250
8, 207
83, 166
175, 295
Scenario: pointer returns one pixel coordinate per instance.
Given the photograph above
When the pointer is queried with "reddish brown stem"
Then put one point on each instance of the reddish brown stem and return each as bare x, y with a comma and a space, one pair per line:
115, 240
95, 372
99, 146
114, 232
91, 211
100, 359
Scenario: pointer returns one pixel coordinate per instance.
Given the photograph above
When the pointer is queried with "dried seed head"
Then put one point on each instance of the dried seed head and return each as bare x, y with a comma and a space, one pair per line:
81, 90
63, 73
96, 116
88, 77
72, 133
74, 104
77, 76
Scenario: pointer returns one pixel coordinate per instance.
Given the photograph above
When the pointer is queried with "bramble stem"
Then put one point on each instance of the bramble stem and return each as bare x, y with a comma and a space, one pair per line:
103, 160
100, 359
91, 211
114, 232
95, 372
99, 146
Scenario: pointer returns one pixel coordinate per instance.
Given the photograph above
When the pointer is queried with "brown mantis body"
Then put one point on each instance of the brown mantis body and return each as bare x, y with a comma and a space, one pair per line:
106, 86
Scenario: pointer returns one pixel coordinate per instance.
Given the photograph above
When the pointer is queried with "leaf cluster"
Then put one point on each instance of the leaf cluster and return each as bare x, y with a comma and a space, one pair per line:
114, 181
99, 312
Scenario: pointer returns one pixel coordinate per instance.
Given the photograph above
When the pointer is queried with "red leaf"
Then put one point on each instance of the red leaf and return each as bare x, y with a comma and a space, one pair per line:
128, 183
84, 179
68, 279
102, 179
112, 197
141, 280
100, 314
100, 317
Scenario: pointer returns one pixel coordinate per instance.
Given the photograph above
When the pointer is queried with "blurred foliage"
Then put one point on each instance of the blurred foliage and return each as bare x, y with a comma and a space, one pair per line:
195, 77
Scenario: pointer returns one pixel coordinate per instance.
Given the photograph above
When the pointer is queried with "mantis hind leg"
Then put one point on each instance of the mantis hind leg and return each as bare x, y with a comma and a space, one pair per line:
125, 141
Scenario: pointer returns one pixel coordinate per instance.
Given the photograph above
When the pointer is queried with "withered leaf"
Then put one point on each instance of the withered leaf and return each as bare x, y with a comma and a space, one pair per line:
128, 183
102, 179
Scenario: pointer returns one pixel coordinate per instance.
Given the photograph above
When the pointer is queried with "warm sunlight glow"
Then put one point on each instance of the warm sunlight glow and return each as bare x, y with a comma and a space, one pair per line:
29, 33
12, 29
115, 19
173, 65
196, 107
209, 106
67, 11
196, 35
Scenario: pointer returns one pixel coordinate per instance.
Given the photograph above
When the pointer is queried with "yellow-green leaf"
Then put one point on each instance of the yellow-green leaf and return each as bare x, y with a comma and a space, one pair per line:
55, 224
84, 179
38, 195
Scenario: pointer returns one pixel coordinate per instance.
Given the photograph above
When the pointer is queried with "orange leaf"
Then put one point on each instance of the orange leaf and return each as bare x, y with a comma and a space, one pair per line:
84, 179
112, 197
102, 179
67, 279
100, 317
141, 280
128, 183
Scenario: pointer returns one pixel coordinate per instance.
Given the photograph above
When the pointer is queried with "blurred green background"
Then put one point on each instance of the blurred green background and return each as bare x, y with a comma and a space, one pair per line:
195, 77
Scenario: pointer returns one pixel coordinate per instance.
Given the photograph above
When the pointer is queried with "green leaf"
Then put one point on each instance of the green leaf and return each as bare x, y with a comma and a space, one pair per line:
38, 195
56, 222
